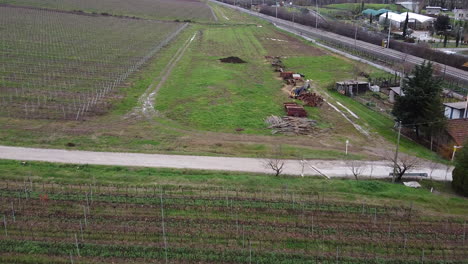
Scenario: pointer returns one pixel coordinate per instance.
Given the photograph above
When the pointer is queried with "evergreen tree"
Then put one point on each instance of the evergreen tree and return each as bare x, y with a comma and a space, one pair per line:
421, 106
460, 173
386, 22
405, 25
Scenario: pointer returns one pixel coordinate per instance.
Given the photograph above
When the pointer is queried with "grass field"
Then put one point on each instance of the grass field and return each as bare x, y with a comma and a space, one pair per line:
96, 214
211, 108
377, 123
154, 9
206, 94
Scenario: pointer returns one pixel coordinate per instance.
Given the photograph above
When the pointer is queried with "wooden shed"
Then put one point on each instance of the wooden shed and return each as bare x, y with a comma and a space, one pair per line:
352, 88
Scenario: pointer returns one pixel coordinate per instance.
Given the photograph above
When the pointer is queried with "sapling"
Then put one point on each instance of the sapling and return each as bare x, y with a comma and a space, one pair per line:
85, 218
162, 224
77, 246
13, 212
5, 225
81, 231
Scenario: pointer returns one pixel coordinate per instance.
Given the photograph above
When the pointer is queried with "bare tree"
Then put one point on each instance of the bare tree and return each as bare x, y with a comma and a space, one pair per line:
403, 164
356, 167
275, 162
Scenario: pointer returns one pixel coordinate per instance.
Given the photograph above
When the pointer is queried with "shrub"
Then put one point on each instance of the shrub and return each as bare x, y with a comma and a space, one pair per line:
460, 173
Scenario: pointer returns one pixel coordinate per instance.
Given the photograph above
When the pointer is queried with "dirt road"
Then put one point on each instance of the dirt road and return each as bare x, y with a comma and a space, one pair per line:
326, 168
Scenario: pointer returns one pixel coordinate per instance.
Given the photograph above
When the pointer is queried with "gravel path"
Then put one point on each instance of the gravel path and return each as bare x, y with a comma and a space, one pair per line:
327, 168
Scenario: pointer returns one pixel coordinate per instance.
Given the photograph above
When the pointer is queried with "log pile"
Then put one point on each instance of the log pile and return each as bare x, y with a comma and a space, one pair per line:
311, 99
291, 125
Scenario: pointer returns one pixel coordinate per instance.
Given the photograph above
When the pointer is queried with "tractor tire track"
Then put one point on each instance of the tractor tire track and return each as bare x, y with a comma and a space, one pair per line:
146, 103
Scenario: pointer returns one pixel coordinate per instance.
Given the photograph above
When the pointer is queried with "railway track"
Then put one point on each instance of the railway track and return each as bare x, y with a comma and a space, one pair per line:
384, 54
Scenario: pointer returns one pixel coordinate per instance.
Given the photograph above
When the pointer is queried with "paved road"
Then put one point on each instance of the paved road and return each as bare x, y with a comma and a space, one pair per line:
336, 168
382, 53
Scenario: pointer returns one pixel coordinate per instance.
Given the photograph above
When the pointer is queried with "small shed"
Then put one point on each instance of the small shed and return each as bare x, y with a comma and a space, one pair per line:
352, 88
394, 93
455, 110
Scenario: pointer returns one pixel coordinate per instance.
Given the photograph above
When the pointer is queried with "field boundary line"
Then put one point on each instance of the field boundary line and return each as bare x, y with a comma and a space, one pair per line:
358, 127
213, 13
329, 168
147, 99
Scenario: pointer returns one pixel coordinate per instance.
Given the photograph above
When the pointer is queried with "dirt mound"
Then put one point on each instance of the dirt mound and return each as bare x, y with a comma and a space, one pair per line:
232, 60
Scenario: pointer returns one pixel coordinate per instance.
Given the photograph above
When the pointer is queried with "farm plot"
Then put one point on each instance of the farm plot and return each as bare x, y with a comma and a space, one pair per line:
154, 9
185, 224
67, 66
207, 94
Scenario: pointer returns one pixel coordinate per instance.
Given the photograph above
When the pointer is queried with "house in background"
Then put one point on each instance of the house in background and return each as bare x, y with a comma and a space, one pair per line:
416, 21
460, 14
433, 10
455, 110
457, 130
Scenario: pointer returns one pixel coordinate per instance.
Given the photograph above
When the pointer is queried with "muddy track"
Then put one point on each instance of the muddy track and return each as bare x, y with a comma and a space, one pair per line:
145, 106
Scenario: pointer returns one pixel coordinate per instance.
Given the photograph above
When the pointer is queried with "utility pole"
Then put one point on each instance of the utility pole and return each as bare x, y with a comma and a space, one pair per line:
389, 30
276, 9
316, 14
355, 37
466, 106
396, 152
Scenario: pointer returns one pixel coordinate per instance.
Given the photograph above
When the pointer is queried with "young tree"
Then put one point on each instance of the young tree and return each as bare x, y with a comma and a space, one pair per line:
405, 26
421, 105
404, 163
460, 173
275, 162
356, 167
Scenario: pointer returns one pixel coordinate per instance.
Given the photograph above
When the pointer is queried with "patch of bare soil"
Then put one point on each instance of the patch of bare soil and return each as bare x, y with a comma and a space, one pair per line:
281, 44
232, 59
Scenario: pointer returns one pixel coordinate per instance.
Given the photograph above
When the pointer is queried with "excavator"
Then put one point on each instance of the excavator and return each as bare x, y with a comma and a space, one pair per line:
299, 90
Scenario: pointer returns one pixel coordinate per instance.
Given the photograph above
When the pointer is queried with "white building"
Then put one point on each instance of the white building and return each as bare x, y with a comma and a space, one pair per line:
460, 14
455, 110
416, 21
433, 10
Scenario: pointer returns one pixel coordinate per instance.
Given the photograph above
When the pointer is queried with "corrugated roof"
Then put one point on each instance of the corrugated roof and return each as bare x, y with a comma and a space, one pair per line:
458, 130
397, 90
457, 105
412, 16
375, 12
418, 17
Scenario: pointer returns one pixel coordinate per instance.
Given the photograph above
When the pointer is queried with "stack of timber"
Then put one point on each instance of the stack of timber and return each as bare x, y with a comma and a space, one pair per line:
291, 125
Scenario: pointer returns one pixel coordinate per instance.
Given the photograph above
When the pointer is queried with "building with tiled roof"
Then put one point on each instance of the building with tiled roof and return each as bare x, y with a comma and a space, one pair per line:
458, 130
